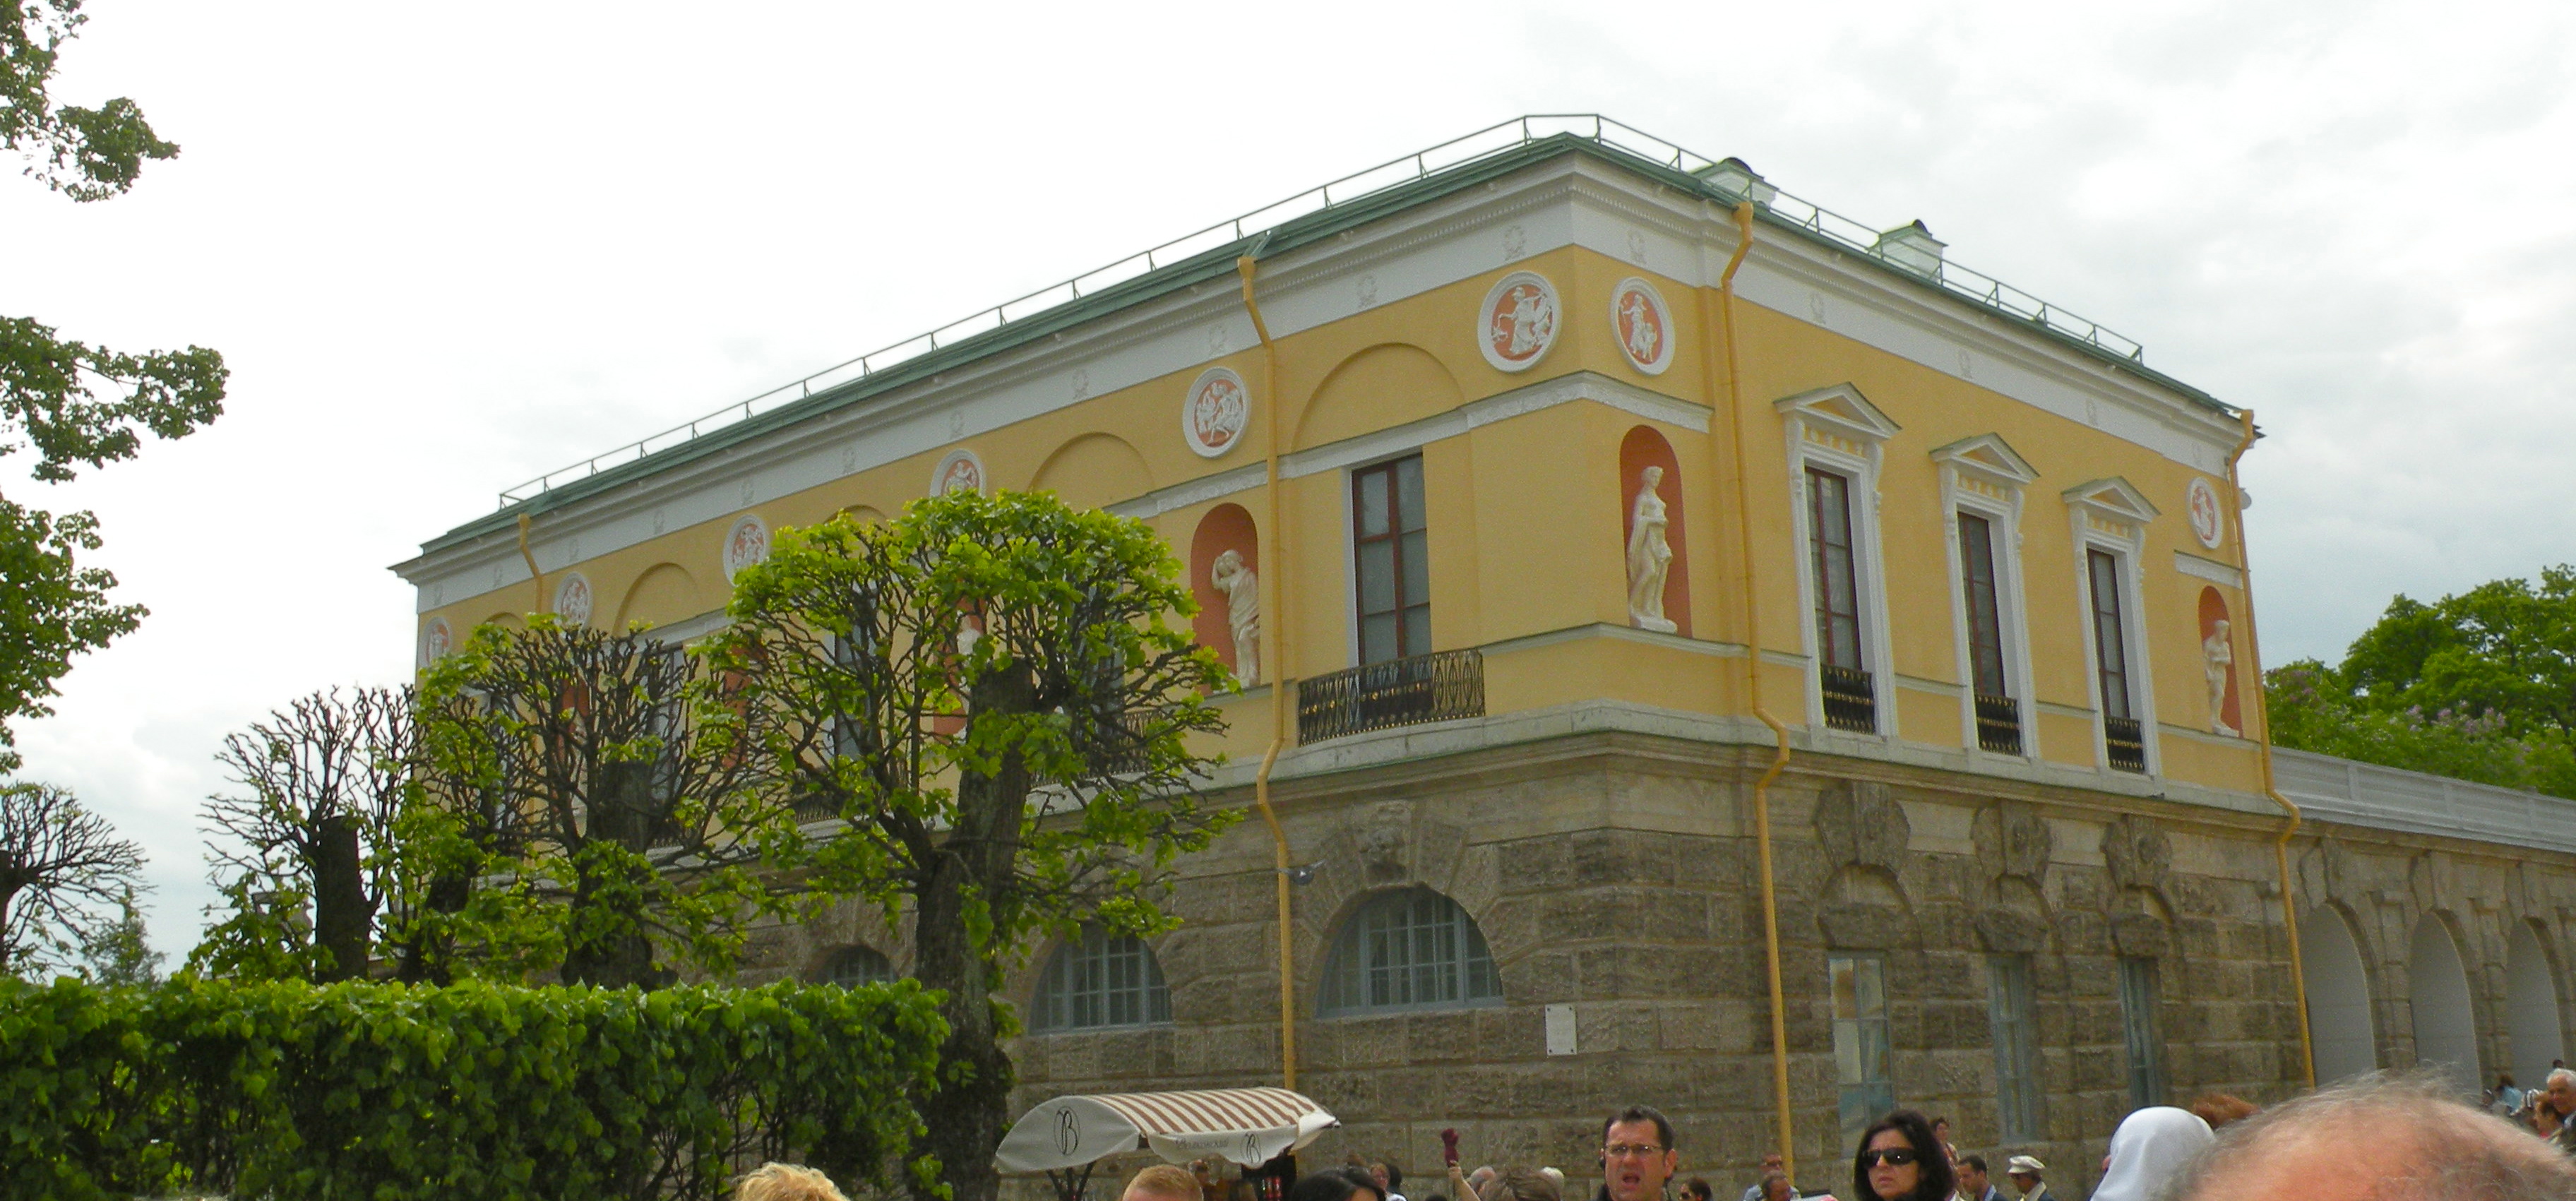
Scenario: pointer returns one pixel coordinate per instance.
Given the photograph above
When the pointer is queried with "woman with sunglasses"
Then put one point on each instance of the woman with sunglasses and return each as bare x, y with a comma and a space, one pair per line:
1900, 1160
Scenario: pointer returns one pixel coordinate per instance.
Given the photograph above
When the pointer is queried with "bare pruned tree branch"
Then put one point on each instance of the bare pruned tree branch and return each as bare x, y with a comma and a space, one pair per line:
63, 872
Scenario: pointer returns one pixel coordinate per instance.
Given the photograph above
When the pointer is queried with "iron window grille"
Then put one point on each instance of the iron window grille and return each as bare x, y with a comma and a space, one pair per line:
1101, 982
1400, 692
1864, 1088
2138, 1029
853, 966
1408, 950
1851, 699
2010, 1014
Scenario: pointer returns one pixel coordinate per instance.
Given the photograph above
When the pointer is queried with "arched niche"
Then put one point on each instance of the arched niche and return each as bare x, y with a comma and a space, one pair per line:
2531, 1006
1645, 448
662, 595
1378, 387
2339, 1022
1226, 530
862, 514
2446, 1031
1094, 471
506, 619
2218, 662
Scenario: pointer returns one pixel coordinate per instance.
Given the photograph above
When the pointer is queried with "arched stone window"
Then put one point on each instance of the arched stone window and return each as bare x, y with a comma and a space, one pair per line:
1407, 950
853, 966
1100, 982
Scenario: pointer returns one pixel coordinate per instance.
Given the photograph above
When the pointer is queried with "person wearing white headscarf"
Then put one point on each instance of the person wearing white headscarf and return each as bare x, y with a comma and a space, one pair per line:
2151, 1148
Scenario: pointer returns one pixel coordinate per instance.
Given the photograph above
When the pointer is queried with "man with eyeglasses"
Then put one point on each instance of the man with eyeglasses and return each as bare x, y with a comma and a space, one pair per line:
1637, 1155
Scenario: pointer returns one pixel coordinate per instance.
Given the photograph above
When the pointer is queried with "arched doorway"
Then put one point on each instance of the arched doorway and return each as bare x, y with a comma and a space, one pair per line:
2531, 1007
2445, 1032
2339, 1025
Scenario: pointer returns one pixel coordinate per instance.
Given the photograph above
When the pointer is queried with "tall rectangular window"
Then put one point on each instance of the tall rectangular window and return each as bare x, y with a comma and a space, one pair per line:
2010, 1014
1860, 1040
1998, 714
2138, 1028
1829, 526
1850, 699
2123, 736
1389, 538
2110, 635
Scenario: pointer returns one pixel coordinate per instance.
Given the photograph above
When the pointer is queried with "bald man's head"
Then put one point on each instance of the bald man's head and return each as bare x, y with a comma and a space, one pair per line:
2377, 1139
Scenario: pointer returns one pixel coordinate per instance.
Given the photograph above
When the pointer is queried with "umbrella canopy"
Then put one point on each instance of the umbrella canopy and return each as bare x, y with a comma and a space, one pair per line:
1250, 1126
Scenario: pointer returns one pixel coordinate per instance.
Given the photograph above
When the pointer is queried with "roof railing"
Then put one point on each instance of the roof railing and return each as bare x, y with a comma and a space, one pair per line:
1848, 234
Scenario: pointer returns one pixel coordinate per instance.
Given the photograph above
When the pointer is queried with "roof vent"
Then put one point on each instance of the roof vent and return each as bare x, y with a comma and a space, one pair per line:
1912, 247
1733, 176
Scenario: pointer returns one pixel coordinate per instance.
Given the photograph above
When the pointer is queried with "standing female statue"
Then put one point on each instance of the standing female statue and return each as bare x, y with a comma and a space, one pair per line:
1650, 557
1242, 611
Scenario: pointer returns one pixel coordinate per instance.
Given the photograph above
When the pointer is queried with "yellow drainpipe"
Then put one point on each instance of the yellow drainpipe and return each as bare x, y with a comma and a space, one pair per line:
536, 578
2263, 723
1753, 680
1275, 617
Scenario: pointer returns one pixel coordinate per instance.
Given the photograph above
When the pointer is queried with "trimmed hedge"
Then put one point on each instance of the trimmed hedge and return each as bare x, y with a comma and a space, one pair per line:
388, 1092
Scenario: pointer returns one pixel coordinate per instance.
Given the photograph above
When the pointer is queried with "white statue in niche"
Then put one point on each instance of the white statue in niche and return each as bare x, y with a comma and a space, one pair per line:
1650, 557
2218, 664
1242, 612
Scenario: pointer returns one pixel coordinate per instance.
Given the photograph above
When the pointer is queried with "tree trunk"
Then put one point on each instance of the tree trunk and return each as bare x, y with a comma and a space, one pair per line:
342, 917
427, 957
970, 1107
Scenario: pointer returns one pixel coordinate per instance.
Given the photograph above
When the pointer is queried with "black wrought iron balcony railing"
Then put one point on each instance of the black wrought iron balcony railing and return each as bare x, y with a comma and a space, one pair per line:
1397, 692
2126, 741
1851, 700
1999, 724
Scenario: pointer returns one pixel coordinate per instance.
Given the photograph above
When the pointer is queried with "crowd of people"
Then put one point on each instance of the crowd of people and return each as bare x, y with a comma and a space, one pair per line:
2373, 1139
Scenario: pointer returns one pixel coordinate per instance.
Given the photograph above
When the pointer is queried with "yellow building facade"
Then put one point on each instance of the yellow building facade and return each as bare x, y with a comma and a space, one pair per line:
1508, 458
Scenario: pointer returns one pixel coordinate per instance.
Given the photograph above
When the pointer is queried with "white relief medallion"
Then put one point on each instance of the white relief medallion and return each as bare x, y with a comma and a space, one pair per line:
1214, 415
957, 469
436, 639
572, 599
745, 544
1644, 324
2201, 500
1518, 321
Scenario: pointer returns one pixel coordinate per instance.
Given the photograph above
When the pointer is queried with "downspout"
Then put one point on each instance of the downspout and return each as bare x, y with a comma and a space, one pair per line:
536, 578
2263, 722
1275, 617
1753, 684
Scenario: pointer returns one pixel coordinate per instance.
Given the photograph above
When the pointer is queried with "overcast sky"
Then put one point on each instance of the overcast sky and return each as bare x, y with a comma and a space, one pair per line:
445, 252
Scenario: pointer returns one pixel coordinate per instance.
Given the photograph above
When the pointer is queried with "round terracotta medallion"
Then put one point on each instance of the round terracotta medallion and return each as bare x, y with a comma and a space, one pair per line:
1217, 410
572, 599
2207, 524
959, 468
1643, 324
745, 544
1518, 321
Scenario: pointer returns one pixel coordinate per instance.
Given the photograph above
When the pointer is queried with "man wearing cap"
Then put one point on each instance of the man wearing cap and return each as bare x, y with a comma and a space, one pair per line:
2025, 1171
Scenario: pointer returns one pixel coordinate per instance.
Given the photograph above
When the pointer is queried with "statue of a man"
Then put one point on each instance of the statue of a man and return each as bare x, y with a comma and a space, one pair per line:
1242, 612
1650, 556
2218, 664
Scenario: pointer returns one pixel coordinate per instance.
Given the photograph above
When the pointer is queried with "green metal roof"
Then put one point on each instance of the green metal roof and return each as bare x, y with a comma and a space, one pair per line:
1607, 142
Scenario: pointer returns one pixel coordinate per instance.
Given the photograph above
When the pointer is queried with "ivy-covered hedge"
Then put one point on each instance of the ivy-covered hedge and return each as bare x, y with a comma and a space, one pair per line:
388, 1092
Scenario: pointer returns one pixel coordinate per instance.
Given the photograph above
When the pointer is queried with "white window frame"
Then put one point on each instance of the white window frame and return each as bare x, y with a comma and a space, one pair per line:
1839, 430
1983, 476
2112, 515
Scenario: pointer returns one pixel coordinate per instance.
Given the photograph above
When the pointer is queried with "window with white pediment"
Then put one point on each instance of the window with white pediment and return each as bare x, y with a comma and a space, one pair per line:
1981, 491
2109, 519
1835, 438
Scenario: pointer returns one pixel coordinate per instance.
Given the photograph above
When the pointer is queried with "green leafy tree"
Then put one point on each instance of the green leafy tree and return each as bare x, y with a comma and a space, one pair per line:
648, 837
72, 404
455, 904
2477, 686
61, 867
301, 852
989, 695
120, 953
